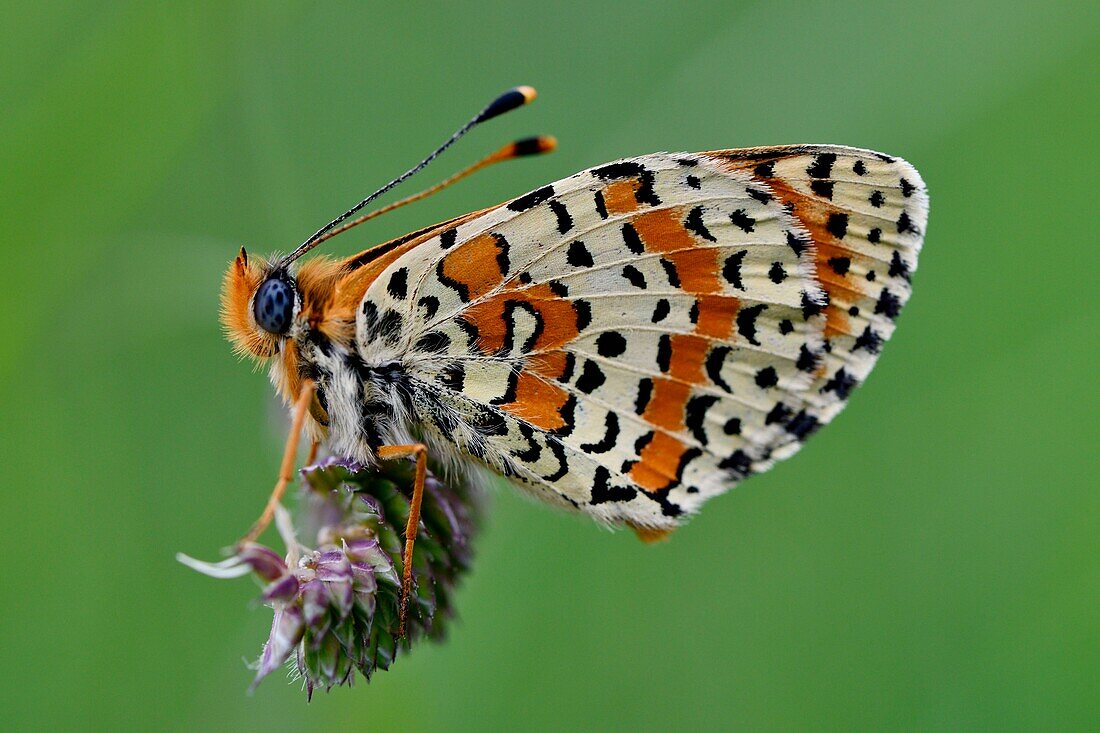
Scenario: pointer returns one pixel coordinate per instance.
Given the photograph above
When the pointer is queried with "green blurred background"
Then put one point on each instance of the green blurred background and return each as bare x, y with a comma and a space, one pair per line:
931, 561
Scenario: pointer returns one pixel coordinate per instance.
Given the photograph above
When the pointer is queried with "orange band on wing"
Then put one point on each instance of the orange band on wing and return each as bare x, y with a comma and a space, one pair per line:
688, 354
550, 364
538, 402
716, 316
666, 406
659, 463
620, 197
662, 231
556, 314
697, 269
478, 265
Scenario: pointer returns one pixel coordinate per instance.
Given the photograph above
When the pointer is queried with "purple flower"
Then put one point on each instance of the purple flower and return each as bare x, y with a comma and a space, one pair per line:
335, 603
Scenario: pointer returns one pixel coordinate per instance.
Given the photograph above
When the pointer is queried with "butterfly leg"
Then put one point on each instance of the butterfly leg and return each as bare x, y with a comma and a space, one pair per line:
314, 448
286, 471
420, 452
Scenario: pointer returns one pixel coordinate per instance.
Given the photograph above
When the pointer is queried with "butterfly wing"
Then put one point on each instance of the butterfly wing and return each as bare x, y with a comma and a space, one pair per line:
643, 335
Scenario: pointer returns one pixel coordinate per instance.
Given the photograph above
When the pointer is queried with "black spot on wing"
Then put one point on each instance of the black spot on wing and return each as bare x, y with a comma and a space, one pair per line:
398, 285
430, 304
671, 272
737, 463
622, 169
760, 196
533, 199
780, 414
840, 265
905, 224
809, 307
660, 311
694, 223
824, 189
611, 436
389, 326
570, 364
767, 377
531, 453
731, 269
447, 238
841, 384
822, 167
453, 376
802, 425
591, 378
558, 450
869, 340
502, 254
370, 314
634, 276
603, 491
578, 255
695, 415
746, 322
509, 317
645, 392
610, 344
601, 207
807, 361
565, 221
632, 240
509, 390
664, 352
898, 267
742, 220
715, 360
888, 304
567, 414
837, 225
583, 309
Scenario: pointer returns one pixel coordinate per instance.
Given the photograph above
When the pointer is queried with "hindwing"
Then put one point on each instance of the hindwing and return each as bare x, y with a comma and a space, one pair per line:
641, 336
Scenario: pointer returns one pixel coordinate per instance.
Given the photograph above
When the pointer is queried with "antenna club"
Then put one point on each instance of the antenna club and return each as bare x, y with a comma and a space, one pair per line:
510, 100
536, 145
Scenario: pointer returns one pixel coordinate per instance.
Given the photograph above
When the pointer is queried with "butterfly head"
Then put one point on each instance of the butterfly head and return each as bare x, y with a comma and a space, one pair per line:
260, 304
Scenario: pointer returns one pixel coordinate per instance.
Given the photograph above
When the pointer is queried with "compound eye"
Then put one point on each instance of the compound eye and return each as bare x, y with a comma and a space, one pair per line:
273, 305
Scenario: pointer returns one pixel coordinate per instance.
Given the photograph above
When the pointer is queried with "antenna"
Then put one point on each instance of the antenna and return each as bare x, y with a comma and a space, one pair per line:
510, 100
518, 149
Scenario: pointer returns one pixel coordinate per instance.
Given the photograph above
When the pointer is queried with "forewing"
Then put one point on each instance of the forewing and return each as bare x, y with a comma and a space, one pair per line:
644, 334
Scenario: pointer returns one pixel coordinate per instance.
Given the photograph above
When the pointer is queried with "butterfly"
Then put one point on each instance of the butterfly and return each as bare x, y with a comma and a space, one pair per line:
627, 342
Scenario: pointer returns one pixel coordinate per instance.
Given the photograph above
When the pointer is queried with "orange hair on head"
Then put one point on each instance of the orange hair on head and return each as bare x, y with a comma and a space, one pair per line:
240, 283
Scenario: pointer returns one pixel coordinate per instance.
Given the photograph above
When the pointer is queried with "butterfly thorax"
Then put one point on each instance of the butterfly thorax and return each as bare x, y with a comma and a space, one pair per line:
361, 404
